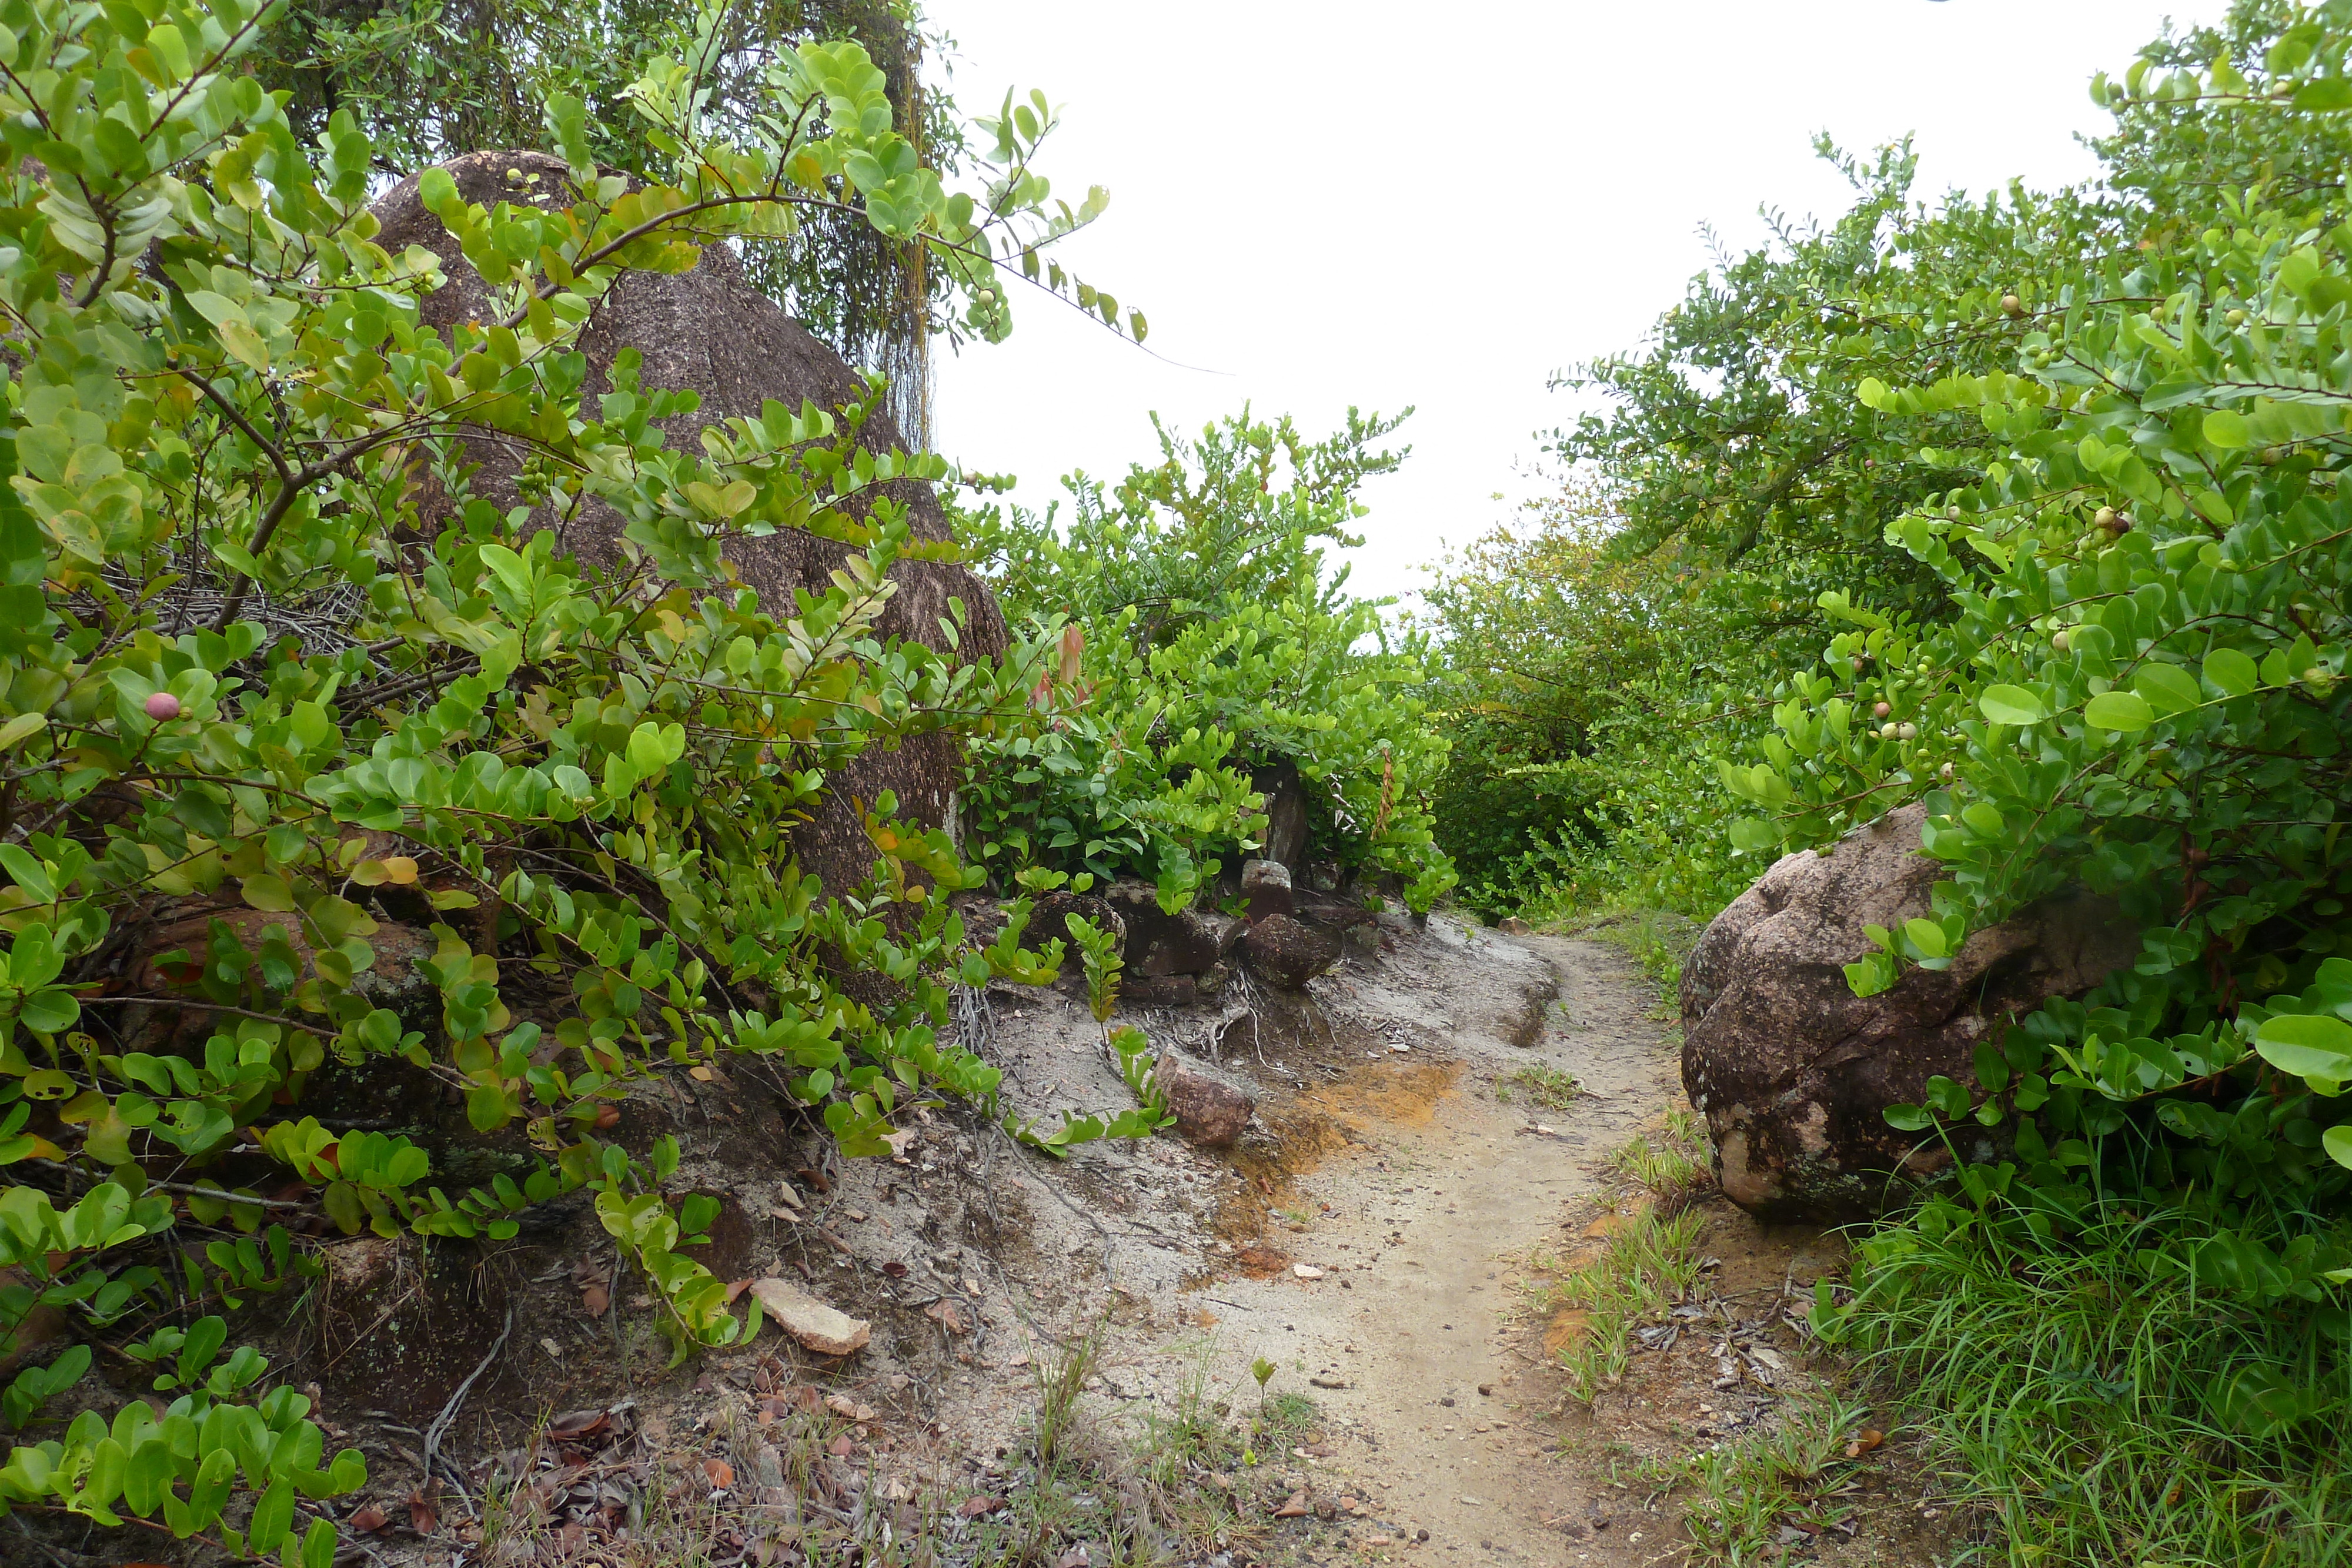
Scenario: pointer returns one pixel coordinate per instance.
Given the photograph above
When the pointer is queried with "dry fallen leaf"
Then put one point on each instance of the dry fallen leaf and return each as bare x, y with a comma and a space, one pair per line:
973, 1507
701, 1074
1294, 1508
721, 1474
369, 1519
607, 1116
948, 1316
577, 1424
595, 1299
422, 1517
1863, 1442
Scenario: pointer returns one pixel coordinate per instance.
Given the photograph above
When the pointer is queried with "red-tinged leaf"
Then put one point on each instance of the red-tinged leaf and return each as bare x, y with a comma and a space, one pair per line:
973, 1507
896, 1270
736, 1288
370, 1521
578, 1424
594, 1299
840, 1447
424, 1517
607, 1116
721, 1474
949, 1316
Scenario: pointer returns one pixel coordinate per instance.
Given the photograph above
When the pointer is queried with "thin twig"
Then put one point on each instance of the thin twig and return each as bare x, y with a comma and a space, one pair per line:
432, 1433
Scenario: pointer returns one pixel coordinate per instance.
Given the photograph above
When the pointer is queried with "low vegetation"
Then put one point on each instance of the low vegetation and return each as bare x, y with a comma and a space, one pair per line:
2027, 508
1552, 1087
1742, 1500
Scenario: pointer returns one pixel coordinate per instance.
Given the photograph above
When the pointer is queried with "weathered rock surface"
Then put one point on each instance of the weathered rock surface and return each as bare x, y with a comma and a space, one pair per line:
823, 1329
1795, 1072
1286, 953
709, 329
1050, 918
1208, 1111
1159, 990
1159, 943
1286, 813
400, 1330
1265, 885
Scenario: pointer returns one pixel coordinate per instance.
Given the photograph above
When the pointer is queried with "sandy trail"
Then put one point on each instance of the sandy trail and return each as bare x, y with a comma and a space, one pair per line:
1417, 1226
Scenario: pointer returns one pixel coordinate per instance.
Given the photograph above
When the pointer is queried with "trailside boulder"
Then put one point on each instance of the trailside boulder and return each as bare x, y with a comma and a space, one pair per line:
1795, 1072
1266, 888
709, 329
1208, 1111
1286, 953
1160, 944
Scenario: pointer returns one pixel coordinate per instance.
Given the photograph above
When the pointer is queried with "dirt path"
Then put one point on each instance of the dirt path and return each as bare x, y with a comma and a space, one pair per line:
1441, 1425
1379, 1236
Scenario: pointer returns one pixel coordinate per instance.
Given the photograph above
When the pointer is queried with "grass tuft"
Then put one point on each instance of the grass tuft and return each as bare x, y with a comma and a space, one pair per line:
1646, 1266
1673, 1165
2093, 1410
1742, 1495
1547, 1086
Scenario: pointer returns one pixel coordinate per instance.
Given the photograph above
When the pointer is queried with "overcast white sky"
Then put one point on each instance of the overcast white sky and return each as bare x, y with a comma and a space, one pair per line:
1320, 203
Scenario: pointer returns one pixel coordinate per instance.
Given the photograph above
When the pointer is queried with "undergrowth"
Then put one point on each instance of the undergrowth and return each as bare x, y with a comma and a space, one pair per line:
1740, 1495
2094, 1405
1648, 1263
1547, 1086
1658, 940
1673, 1165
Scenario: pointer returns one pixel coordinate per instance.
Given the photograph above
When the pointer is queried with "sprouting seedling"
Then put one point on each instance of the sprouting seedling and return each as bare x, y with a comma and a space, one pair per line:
1098, 947
1263, 1370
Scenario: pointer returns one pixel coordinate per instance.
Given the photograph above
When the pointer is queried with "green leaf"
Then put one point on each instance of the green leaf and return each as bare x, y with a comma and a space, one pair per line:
486, 1107
2309, 1045
2228, 430
2010, 705
2167, 688
268, 893
271, 1516
23, 725
1755, 835
30, 873
2337, 1141
2231, 673
52, 1011
2120, 711
148, 1476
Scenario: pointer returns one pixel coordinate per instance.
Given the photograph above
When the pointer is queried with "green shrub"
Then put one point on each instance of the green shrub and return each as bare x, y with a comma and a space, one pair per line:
1188, 636
244, 672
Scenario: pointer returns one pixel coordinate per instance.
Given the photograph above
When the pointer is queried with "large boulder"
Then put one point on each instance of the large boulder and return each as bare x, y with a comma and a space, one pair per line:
1795, 1072
709, 329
